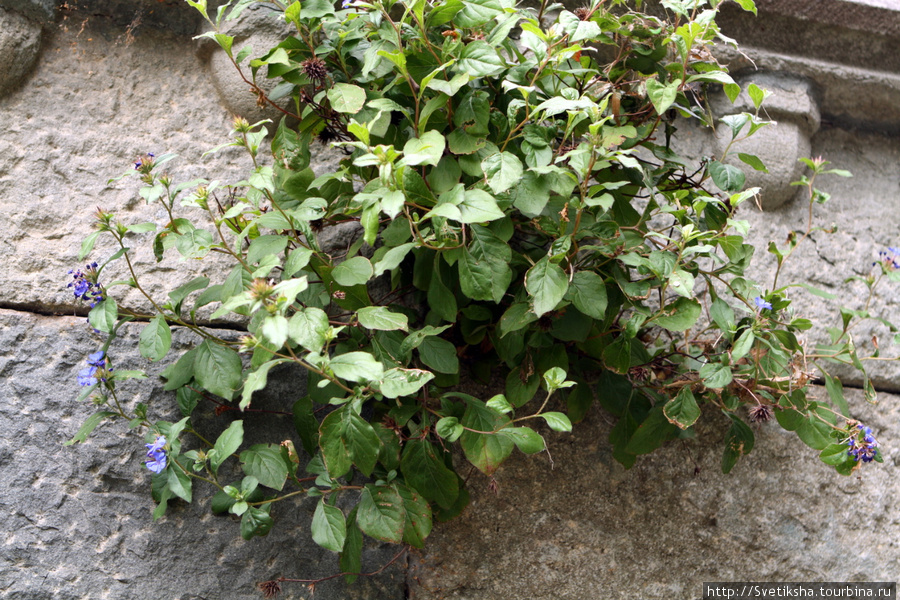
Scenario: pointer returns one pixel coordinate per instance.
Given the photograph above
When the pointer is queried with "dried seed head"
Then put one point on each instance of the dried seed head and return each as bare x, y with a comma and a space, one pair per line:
270, 589
582, 12
328, 135
760, 413
315, 69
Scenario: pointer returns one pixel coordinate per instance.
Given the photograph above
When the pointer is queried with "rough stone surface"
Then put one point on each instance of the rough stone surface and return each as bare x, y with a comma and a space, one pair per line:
20, 43
144, 91
37, 10
574, 524
77, 520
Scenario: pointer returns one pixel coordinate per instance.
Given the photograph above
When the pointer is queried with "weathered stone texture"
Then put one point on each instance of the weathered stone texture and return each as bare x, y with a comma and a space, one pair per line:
77, 520
573, 524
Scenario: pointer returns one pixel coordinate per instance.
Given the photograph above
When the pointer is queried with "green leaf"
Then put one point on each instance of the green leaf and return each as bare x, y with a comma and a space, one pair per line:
103, 316
306, 424
722, 315
156, 339
425, 471
361, 441
503, 170
217, 369
738, 441
531, 194
194, 243
753, 161
87, 245
652, 433
226, 444
748, 5
179, 483
439, 354
836, 393
256, 381
357, 366
351, 556
382, 319
743, 345
274, 329
477, 12
680, 315
728, 178
329, 529
682, 410
88, 426
557, 421
682, 283
526, 439
716, 375
427, 149
519, 392
486, 451
404, 382
266, 463
662, 95
546, 284
266, 245
354, 271
334, 450
417, 516
588, 293
309, 328
479, 59
256, 521
449, 428
346, 98
381, 514
835, 454
814, 432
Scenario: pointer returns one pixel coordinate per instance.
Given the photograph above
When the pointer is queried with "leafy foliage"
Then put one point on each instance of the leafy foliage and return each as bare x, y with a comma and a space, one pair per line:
512, 176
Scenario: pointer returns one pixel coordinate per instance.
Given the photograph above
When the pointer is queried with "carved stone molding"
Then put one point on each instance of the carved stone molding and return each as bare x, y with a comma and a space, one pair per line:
795, 112
256, 28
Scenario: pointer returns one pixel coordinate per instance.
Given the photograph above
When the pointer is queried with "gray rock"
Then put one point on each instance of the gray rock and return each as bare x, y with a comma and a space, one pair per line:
78, 519
40, 11
20, 43
573, 524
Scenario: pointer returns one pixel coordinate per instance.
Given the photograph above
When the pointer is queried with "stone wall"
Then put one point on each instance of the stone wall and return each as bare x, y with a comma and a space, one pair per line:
87, 86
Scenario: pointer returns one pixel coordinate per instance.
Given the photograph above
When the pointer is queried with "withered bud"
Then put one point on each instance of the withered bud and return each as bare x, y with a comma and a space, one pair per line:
315, 69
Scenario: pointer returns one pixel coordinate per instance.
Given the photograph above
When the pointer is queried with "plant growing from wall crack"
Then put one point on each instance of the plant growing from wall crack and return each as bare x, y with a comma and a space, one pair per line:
523, 216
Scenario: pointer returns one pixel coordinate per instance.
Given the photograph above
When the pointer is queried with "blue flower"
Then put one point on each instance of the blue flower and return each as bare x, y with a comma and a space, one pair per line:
87, 376
865, 449
95, 371
85, 286
157, 445
156, 455
96, 359
761, 304
890, 258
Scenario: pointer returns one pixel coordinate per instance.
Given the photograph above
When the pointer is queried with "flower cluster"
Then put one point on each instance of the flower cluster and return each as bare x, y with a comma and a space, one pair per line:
85, 286
889, 259
863, 445
156, 455
95, 371
144, 159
